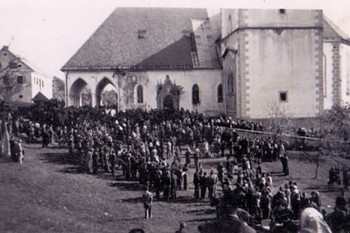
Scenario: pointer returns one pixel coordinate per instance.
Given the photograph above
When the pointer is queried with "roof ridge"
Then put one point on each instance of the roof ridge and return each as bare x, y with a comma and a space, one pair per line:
336, 29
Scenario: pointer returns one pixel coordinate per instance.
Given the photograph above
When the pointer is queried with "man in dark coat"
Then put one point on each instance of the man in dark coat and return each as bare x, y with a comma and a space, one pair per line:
230, 222
196, 181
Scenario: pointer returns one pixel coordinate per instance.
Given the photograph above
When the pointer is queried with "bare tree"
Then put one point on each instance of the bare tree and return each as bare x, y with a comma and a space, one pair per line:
58, 88
333, 131
109, 98
279, 121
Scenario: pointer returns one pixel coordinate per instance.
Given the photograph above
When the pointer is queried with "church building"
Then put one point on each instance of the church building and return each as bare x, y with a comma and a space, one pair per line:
240, 62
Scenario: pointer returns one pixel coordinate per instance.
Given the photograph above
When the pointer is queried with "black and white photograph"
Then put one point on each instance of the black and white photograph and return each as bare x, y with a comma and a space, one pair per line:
227, 116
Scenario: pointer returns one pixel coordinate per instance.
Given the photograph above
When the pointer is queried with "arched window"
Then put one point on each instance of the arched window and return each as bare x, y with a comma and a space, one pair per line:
195, 94
229, 24
220, 94
230, 87
139, 92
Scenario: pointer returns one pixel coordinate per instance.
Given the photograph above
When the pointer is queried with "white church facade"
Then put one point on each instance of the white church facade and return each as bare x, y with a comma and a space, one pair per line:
239, 62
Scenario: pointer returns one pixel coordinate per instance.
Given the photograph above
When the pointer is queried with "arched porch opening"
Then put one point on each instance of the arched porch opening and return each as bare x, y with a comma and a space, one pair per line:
106, 94
79, 93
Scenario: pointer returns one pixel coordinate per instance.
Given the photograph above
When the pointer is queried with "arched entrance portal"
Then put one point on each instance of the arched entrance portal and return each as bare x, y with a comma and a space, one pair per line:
168, 103
106, 94
75, 96
168, 95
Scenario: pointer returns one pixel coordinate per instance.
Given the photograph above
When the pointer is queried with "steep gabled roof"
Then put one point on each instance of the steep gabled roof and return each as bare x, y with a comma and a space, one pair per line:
333, 32
166, 43
40, 97
15, 58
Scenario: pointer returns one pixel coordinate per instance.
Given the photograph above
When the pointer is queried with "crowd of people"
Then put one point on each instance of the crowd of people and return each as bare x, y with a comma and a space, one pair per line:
157, 148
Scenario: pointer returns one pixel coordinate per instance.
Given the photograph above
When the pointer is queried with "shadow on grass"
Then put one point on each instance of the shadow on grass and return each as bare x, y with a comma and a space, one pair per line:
201, 220
57, 158
132, 200
126, 185
5, 159
324, 188
202, 212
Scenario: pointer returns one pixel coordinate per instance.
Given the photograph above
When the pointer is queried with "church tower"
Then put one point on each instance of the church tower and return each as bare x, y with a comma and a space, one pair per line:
272, 59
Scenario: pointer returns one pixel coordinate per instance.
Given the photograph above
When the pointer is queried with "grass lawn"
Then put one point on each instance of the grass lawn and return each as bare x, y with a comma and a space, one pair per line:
46, 195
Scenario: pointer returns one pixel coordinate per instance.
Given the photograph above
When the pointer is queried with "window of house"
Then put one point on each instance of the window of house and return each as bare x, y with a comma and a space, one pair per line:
195, 94
13, 65
42, 83
20, 79
20, 96
220, 94
139, 92
142, 34
282, 11
283, 96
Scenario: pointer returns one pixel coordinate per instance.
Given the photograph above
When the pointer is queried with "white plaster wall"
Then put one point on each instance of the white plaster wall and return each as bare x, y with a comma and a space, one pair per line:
207, 80
273, 18
328, 75
345, 74
284, 62
41, 83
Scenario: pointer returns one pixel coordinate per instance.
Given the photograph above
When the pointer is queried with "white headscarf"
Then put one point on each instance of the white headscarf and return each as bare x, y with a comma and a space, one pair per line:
311, 221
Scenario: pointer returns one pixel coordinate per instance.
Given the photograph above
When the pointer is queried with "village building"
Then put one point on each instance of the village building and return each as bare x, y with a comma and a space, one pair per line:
19, 83
240, 62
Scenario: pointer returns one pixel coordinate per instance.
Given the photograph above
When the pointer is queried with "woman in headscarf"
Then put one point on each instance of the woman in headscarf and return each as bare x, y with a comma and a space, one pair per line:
311, 221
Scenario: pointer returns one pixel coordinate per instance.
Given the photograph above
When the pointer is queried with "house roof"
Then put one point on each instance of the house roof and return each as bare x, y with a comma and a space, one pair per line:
167, 41
332, 31
16, 58
40, 97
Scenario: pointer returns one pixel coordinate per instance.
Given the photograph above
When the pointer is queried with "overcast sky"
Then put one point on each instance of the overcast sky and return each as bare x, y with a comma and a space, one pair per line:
47, 33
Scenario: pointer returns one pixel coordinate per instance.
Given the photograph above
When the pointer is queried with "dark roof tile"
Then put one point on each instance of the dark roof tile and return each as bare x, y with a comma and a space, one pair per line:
116, 42
40, 97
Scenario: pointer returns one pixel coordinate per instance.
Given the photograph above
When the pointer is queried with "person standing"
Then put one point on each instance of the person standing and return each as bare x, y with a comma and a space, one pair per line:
182, 228
203, 185
196, 157
211, 182
147, 199
220, 170
188, 156
184, 176
196, 181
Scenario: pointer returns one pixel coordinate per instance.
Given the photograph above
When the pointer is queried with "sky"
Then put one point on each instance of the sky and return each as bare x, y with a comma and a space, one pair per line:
45, 34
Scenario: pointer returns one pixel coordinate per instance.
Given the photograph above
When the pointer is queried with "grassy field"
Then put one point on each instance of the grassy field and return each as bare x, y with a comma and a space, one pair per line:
46, 195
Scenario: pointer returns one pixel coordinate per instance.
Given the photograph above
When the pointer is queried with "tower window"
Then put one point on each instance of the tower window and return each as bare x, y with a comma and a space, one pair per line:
283, 96
220, 94
282, 11
142, 34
